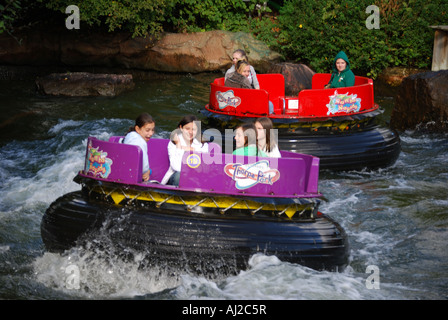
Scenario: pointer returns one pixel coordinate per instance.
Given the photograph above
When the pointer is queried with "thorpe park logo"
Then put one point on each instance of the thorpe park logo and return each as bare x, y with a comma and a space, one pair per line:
98, 164
343, 103
246, 176
227, 99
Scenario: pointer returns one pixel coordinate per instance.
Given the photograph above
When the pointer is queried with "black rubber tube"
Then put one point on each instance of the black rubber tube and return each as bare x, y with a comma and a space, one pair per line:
369, 146
372, 148
191, 240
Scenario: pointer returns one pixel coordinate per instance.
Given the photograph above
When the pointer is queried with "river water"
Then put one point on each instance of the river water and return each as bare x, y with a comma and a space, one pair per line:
396, 218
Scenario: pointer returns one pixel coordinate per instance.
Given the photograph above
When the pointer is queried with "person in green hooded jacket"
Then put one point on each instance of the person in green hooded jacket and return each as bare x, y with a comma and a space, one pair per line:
342, 76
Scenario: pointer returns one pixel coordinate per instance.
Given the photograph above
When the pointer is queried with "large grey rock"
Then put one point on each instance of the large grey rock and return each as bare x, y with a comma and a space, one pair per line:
84, 84
297, 76
422, 103
203, 51
186, 52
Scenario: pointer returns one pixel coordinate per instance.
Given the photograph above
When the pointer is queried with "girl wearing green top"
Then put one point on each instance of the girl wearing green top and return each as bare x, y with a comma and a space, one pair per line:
342, 76
246, 141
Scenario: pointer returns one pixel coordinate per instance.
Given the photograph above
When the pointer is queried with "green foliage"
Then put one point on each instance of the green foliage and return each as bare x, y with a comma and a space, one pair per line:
313, 32
204, 15
151, 17
8, 13
141, 18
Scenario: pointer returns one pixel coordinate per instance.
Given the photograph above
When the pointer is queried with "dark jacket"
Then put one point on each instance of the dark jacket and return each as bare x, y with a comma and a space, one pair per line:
237, 80
345, 78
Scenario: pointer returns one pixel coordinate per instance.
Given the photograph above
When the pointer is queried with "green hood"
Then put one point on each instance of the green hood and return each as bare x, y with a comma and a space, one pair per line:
341, 55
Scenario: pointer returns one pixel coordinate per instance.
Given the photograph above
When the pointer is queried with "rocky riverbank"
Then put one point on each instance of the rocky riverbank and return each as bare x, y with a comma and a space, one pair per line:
186, 53
421, 101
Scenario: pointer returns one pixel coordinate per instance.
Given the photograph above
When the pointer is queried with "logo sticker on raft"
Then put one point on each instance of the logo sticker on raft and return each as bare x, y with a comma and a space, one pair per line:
246, 176
343, 103
193, 161
98, 164
227, 99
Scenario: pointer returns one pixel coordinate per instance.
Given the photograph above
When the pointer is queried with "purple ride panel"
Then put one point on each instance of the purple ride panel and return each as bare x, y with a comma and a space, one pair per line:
293, 175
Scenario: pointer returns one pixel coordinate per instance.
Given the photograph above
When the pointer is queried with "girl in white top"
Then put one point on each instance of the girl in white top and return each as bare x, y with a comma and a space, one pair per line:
184, 138
139, 135
267, 140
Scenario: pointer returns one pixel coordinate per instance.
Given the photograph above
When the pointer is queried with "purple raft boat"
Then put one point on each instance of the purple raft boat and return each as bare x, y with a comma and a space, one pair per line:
225, 209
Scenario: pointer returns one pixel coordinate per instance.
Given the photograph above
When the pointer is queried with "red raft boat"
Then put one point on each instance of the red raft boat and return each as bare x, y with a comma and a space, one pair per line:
339, 126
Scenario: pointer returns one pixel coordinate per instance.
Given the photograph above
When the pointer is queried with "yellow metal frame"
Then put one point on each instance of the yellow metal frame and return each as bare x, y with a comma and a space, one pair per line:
222, 203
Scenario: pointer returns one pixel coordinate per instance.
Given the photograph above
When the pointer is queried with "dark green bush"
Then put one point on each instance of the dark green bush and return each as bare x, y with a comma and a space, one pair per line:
9, 12
205, 15
141, 18
313, 32
150, 17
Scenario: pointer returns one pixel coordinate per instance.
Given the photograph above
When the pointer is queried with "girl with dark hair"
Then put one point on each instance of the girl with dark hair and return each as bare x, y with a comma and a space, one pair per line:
267, 140
246, 141
186, 138
139, 135
342, 75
